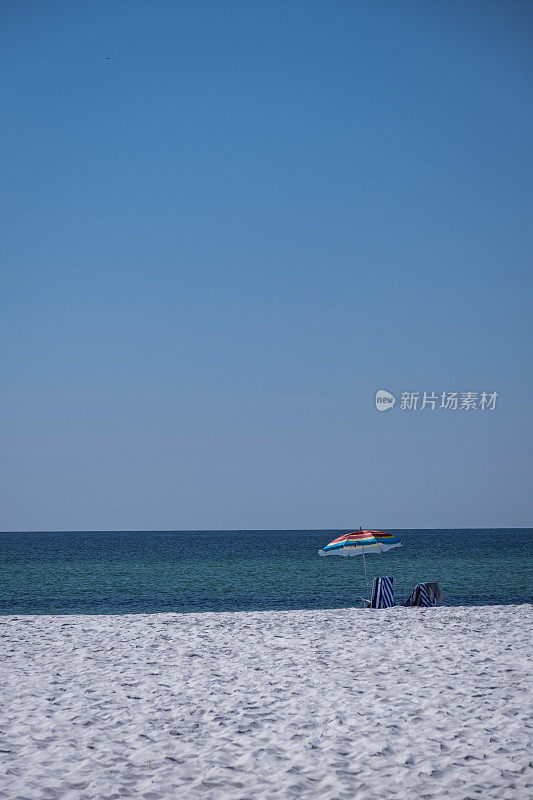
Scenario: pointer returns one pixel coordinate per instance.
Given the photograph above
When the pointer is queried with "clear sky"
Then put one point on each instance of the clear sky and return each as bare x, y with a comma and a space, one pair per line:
225, 225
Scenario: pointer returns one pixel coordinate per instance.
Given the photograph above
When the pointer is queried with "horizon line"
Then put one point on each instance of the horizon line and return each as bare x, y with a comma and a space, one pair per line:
257, 530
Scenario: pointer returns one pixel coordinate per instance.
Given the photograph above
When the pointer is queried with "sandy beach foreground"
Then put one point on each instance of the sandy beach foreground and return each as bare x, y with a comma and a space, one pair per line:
404, 702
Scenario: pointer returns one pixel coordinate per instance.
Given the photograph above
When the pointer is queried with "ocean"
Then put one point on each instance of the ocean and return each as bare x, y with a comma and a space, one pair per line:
182, 571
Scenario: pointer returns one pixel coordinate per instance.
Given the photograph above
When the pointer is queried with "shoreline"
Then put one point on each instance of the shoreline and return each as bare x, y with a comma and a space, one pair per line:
271, 704
25, 615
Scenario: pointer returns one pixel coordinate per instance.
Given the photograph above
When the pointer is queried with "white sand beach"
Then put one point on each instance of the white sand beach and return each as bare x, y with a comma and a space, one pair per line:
403, 702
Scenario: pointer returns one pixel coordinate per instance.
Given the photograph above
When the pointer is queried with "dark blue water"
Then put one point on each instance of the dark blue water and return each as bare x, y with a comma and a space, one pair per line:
147, 571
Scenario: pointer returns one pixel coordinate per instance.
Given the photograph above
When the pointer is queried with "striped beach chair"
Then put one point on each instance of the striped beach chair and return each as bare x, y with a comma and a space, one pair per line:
382, 593
422, 596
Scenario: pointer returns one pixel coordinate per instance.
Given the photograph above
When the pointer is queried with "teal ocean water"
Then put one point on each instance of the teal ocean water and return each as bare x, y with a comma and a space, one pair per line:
158, 571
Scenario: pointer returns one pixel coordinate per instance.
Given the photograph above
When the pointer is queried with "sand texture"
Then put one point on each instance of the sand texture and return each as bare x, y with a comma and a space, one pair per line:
397, 703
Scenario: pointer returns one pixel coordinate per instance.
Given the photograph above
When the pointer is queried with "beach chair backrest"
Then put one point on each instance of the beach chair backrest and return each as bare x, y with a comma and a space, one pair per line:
420, 596
383, 593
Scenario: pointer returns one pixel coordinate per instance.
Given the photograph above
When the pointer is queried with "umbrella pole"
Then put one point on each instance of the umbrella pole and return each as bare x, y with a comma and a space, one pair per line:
364, 565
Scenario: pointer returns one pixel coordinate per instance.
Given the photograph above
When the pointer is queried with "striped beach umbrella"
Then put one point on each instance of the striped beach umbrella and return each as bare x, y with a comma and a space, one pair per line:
357, 543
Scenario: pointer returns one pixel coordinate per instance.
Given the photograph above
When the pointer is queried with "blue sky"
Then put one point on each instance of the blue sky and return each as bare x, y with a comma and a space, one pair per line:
226, 225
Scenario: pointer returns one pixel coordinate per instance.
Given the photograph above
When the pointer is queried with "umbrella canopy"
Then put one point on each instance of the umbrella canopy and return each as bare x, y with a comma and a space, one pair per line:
361, 542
